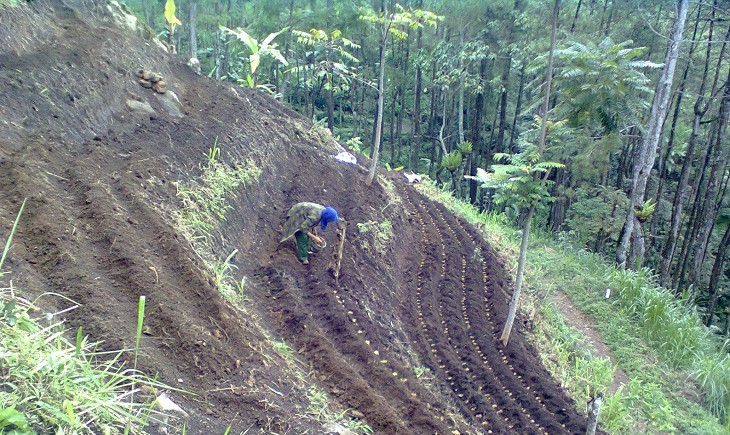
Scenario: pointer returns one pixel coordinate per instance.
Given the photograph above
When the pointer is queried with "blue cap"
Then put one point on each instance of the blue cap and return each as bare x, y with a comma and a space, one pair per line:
329, 214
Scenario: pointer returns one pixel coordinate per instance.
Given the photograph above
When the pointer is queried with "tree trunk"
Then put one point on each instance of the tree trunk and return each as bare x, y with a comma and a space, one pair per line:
391, 134
575, 18
719, 162
647, 151
692, 227
218, 55
623, 161
610, 18
717, 269
476, 131
329, 91
405, 50
514, 303
594, 407
603, 16
662, 168
462, 73
399, 125
442, 141
416, 139
194, 29
700, 108
518, 108
432, 118
499, 146
381, 101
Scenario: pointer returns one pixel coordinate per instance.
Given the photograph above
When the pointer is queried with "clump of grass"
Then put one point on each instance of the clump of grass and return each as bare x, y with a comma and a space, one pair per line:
230, 289
319, 407
382, 234
394, 200
283, 349
204, 200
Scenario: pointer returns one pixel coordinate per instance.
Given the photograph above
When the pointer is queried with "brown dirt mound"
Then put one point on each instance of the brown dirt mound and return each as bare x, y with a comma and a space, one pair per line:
98, 155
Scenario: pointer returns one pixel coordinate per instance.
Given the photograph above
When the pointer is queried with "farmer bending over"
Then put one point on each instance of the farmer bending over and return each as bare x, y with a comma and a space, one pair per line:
301, 222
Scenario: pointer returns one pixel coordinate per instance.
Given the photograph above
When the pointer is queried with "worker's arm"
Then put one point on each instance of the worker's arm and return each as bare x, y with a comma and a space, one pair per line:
314, 237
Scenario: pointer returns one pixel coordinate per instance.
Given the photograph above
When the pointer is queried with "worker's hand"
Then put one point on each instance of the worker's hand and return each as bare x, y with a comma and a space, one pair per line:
317, 240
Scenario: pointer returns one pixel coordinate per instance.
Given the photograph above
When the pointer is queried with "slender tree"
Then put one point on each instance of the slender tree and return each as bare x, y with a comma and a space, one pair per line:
390, 23
644, 158
417, 91
700, 109
504, 338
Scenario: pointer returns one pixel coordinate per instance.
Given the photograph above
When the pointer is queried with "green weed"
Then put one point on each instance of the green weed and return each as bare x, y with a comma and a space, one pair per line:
283, 349
382, 234
203, 201
230, 289
318, 404
359, 426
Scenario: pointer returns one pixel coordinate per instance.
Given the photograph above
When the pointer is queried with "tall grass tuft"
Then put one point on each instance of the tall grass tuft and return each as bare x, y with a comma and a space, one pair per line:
204, 200
230, 289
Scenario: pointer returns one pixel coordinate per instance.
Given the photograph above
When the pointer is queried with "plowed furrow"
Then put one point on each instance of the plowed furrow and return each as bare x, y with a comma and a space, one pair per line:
475, 353
480, 370
535, 393
310, 317
442, 356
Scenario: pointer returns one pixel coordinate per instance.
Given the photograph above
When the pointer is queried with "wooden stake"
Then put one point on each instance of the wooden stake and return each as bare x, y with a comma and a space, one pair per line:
594, 407
336, 262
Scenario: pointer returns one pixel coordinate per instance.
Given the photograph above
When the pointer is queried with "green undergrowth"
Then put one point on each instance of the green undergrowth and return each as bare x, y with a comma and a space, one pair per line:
203, 200
679, 374
203, 206
51, 384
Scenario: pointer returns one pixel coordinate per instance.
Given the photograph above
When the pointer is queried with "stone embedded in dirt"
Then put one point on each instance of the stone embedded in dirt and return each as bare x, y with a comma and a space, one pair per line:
171, 104
143, 108
160, 87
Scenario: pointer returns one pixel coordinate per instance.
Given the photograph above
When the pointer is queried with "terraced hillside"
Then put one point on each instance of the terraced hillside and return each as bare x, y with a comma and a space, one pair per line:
405, 339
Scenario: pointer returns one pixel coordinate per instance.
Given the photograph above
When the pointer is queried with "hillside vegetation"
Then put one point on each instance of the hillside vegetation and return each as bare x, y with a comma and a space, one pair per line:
143, 287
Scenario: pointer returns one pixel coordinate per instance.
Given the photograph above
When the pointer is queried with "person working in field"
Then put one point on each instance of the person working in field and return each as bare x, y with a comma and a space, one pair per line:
301, 222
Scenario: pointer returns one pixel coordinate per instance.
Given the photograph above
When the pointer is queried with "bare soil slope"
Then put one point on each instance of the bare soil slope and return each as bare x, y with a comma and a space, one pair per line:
98, 156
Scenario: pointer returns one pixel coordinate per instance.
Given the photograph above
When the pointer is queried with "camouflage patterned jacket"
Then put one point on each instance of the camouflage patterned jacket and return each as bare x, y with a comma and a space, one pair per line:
301, 217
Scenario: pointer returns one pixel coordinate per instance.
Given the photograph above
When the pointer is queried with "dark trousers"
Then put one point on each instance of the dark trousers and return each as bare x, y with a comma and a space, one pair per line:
302, 245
